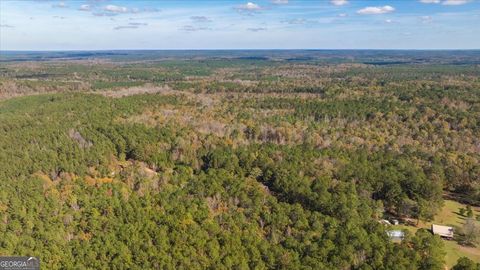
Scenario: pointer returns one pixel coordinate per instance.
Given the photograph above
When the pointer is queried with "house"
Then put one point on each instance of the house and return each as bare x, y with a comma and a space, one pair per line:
396, 234
443, 231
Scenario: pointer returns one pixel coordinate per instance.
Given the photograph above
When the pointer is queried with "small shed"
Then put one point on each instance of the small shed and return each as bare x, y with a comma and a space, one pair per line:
385, 222
443, 231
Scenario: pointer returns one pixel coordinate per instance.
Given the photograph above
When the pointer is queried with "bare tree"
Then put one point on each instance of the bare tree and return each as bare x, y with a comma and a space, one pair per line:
471, 232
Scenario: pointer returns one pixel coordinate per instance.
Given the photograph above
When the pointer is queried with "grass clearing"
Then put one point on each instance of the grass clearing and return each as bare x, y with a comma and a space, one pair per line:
450, 216
455, 251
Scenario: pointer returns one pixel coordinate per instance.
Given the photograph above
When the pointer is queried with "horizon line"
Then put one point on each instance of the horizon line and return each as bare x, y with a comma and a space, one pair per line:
252, 49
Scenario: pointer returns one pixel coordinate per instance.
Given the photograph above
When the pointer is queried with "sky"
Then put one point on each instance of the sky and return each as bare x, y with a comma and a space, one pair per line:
251, 24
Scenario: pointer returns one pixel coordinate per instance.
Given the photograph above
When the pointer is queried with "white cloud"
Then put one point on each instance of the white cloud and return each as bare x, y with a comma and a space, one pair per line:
430, 1
85, 8
257, 29
388, 21
339, 2
280, 2
191, 28
132, 25
200, 19
60, 5
342, 15
446, 2
249, 7
454, 2
125, 27
6, 26
116, 9
376, 10
137, 24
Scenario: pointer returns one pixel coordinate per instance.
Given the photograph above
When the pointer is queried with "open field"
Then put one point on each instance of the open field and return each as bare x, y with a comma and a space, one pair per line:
455, 251
449, 216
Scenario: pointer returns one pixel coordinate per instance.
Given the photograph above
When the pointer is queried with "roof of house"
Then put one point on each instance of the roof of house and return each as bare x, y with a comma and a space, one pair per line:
442, 230
396, 234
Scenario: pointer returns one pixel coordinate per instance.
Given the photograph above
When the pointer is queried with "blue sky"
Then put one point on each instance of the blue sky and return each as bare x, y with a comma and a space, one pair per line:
251, 24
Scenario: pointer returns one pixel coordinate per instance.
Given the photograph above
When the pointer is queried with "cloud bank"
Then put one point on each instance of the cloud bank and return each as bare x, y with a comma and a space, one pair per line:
338, 2
376, 10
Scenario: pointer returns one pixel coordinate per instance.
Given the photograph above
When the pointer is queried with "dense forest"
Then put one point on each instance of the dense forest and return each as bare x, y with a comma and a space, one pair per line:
241, 163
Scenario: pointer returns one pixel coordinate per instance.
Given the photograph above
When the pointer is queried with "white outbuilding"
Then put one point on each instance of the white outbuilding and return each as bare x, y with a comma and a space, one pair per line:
443, 231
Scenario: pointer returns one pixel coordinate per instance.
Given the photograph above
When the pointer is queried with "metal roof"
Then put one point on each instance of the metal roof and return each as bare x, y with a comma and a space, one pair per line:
442, 230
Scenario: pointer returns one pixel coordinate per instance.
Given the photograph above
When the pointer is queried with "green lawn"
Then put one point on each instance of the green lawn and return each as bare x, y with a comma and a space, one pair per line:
449, 215
455, 251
